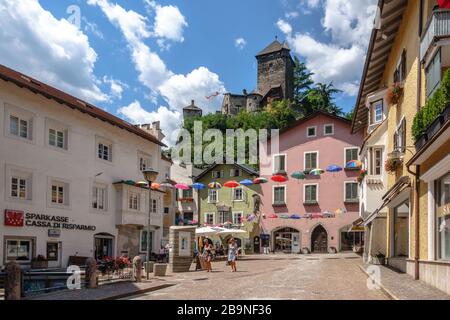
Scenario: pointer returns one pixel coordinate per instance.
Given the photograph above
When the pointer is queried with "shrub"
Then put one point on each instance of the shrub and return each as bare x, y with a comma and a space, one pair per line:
433, 108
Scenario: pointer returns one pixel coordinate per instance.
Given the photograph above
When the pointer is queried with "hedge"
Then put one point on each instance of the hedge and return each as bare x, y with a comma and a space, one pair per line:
433, 108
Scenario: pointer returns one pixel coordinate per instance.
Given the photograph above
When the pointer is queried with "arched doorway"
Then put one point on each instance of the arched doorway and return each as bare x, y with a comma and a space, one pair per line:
286, 240
319, 240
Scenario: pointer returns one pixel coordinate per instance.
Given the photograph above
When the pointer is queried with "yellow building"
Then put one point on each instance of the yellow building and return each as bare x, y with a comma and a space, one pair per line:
408, 54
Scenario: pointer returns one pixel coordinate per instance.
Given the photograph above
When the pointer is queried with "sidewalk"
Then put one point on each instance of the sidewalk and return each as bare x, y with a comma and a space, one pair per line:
113, 291
401, 286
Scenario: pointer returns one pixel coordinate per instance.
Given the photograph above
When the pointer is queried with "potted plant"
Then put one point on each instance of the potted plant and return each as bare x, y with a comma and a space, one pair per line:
39, 262
379, 259
362, 175
392, 164
395, 93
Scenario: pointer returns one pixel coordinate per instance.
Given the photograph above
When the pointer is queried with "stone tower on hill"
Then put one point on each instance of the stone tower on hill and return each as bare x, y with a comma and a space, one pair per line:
275, 81
192, 111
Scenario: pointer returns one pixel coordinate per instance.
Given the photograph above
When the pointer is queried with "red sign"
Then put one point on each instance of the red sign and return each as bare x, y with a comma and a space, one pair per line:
444, 3
14, 218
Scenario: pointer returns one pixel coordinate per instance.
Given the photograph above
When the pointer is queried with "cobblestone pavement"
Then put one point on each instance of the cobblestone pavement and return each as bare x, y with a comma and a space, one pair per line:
270, 277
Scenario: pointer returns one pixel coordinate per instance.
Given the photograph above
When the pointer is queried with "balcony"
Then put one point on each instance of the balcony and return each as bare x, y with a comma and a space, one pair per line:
139, 218
437, 28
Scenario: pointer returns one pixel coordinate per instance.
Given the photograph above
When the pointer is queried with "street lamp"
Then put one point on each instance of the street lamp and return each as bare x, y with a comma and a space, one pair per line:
150, 175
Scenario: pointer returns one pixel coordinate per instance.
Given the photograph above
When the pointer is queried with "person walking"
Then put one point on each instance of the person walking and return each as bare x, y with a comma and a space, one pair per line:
232, 254
207, 254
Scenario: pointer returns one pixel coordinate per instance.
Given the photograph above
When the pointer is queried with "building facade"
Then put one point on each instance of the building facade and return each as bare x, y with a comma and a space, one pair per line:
230, 207
68, 173
314, 213
415, 202
275, 81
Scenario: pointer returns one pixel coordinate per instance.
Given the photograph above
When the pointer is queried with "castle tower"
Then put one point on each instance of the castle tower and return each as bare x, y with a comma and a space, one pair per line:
276, 72
192, 111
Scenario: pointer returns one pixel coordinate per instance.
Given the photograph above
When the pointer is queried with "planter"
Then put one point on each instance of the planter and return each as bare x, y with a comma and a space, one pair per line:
446, 114
305, 251
39, 264
435, 126
332, 250
150, 266
160, 270
380, 261
421, 142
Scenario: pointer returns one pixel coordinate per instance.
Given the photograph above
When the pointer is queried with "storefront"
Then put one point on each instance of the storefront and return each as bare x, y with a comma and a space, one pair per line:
286, 240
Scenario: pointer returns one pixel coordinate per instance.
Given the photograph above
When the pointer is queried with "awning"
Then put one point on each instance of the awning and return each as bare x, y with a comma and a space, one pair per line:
395, 196
356, 229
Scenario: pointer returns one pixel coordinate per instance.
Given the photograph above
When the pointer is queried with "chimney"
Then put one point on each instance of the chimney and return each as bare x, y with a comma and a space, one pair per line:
156, 125
244, 92
192, 103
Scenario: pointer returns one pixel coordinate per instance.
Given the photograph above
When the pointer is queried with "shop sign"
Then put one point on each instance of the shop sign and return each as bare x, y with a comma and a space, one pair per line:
54, 222
14, 218
54, 233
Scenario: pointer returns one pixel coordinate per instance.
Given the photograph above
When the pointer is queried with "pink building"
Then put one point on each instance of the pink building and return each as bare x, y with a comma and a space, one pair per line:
315, 213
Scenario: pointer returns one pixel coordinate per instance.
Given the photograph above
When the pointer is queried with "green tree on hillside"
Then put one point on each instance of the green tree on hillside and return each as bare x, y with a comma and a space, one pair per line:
321, 97
302, 81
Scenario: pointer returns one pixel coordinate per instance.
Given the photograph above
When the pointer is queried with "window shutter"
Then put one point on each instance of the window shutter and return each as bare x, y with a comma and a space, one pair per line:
403, 65
403, 135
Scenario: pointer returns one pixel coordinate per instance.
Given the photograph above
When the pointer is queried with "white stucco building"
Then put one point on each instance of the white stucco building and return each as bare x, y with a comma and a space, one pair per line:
67, 173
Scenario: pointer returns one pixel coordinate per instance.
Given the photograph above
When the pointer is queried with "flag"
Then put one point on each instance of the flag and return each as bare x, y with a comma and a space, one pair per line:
444, 3
215, 94
14, 218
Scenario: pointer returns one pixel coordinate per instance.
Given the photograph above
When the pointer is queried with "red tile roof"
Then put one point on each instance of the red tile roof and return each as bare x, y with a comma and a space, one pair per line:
63, 98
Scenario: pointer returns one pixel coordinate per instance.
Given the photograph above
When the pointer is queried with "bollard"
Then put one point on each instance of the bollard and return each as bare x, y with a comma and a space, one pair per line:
13, 281
137, 268
91, 273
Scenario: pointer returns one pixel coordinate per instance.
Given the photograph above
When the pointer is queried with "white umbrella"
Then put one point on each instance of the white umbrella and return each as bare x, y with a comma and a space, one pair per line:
232, 232
208, 231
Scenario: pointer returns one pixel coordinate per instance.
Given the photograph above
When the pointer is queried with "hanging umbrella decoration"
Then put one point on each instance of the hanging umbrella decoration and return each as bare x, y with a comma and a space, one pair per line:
444, 4
295, 217
231, 184
273, 216
156, 186
214, 185
334, 168
246, 183
299, 175
182, 186
279, 178
284, 216
316, 172
198, 186
354, 164
260, 180
167, 185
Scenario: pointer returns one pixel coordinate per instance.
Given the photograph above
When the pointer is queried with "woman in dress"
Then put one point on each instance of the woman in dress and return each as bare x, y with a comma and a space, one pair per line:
232, 254
207, 254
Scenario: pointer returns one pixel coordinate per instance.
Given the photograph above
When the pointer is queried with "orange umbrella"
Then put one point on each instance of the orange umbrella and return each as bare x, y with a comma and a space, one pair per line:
232, 184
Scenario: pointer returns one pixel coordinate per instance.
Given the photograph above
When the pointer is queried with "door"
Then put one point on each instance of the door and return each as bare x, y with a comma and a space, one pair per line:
54, 253
319, 240
296, 243
103, 247
256, 244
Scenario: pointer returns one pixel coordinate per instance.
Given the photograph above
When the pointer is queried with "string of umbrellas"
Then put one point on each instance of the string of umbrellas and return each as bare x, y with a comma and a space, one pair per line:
298, 175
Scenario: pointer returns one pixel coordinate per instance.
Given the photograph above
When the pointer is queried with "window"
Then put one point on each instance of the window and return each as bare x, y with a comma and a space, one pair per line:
19, 127
99, 197
235, 173
238, 194
143, 242
59, 193
376, 112
311, 193
133, 201
52, 251
443, 217
154, 208
400, 72
400, 137
187, 194
279, 195
237, 217
213, 196
311, 132
433, 74
56, 138
18, 250
104, 152
376, 161
145, 162
328, 129
217, 174
223, 216
166, 210
19, 188
351, 192
351, 154
279, 163
209, 218
311, 161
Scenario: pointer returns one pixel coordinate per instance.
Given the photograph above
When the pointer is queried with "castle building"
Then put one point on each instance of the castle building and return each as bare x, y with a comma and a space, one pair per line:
192, 111
275, 81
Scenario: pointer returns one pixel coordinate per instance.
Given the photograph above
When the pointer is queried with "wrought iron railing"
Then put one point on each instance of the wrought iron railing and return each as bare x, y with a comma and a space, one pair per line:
438, 26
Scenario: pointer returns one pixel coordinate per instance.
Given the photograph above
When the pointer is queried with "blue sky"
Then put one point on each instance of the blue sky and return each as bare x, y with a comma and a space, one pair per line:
143, 60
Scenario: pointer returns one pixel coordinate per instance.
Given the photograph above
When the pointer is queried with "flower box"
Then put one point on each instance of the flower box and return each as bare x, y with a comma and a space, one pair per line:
310, 203
421, 141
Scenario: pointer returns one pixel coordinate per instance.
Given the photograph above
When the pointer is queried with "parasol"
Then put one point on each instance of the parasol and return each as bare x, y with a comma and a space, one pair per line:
214, 185
295, 217
246, 182
279, 178
334, 168
316, 172
299, 175
231, 184
182, 186
166, 185
354, 164
198, 186
260, 180
273, 216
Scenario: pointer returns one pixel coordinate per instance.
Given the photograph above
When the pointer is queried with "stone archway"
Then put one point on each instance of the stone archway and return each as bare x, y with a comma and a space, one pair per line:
319, 240
286, 240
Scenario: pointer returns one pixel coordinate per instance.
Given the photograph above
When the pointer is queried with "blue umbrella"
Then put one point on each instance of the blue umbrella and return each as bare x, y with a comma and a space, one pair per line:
334, 168
295, 217
198, 186
246, 182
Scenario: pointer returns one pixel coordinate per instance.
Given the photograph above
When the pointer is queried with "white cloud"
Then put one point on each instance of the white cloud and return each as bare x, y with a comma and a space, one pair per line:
340, 60
170, 119
291, 15
240, 43
176, 89
116, 86
92, 27
54, 51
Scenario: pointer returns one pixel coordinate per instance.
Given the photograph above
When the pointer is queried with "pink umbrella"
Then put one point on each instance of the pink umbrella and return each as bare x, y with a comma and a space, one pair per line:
182, 186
